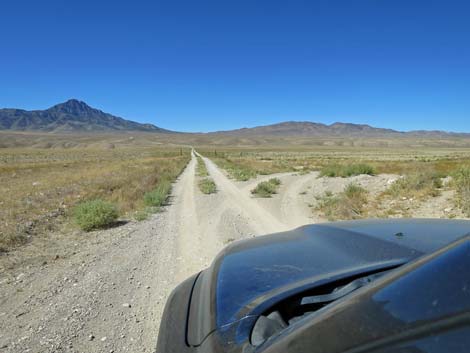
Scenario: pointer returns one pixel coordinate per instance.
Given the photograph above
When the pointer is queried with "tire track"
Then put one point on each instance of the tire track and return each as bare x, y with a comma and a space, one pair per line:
259, 219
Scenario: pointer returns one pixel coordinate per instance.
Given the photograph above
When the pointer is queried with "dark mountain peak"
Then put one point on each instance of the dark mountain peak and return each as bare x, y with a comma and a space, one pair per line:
298, 123
73, 106
74, 102
72, 115
340, 124
352, 127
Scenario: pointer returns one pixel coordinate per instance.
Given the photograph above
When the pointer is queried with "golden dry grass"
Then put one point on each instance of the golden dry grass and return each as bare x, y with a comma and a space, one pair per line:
422, 169
348, 204
38, 187
243, 164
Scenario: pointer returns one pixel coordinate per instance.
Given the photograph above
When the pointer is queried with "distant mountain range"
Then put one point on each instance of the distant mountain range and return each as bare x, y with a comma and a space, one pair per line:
311, 129
71, 116
77, 116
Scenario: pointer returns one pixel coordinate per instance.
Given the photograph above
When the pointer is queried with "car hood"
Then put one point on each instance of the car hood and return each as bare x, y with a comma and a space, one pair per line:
249, 276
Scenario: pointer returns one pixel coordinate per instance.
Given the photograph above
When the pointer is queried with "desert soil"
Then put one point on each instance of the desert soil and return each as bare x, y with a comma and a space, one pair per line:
107, 294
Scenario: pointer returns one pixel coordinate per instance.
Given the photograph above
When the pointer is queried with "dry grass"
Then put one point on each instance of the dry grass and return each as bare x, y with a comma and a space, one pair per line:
421, 167
346, 170
236, 169
243, 164
418, 184
206, 184
38, 187
158, 196
462, 185
349, 204
201, 168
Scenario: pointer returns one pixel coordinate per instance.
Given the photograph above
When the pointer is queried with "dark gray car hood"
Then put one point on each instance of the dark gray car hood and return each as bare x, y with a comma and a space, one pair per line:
248, 275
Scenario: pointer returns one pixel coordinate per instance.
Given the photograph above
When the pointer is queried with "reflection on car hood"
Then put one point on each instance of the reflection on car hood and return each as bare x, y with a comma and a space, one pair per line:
248, 272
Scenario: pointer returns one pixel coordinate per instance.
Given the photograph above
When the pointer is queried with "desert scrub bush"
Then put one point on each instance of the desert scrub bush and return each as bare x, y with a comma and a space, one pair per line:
207, 186
266, 188
462, 185
158, 196
201, 168
9, 240
275, 181
348, 170
95, 214
349, 204
418, 184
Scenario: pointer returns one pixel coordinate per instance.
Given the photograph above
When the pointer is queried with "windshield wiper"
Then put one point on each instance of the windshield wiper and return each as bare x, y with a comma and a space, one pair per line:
340, 292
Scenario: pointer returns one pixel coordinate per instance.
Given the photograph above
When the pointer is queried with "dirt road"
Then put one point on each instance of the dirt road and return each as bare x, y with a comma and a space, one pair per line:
107, 294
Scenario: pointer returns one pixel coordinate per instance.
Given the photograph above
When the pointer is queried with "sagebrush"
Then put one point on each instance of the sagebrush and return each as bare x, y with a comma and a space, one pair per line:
462, 185
347, 170
207, 186
158, 196
417, 184
266, 188
95, 214
349, 204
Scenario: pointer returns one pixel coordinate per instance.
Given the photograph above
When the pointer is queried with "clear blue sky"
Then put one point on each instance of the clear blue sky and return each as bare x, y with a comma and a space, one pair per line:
211, 65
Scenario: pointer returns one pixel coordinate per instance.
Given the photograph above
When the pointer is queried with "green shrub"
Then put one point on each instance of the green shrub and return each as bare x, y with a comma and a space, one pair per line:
275, 181
95, 214
349, 204
358, 169
462, 184
159, 195
266, 188
338, 170
354, 191
331, 171
207, 186
417, 184
328, 204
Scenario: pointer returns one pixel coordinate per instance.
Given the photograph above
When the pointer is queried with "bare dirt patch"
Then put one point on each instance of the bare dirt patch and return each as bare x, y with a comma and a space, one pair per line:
107, 292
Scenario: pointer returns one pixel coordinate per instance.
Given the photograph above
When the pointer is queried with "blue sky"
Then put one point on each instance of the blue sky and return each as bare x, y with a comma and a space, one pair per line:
212, 65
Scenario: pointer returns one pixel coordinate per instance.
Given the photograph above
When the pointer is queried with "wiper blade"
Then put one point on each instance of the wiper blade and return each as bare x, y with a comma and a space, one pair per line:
341, 291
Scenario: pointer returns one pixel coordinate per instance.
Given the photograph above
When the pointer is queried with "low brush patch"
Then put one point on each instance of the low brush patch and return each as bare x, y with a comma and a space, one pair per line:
201, 168
207, 186
462, 185
348, 170
158, 196
45, 185
420, 184
95, 214
349, 204
266, 188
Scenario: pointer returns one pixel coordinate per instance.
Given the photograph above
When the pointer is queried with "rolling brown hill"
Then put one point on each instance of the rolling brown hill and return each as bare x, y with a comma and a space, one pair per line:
75, 116
338, 129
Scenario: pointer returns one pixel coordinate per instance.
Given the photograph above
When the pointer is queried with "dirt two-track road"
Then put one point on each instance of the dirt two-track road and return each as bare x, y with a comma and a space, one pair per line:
109, 294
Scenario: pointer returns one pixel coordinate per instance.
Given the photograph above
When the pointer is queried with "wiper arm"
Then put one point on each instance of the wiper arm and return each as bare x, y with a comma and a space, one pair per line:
341, 291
